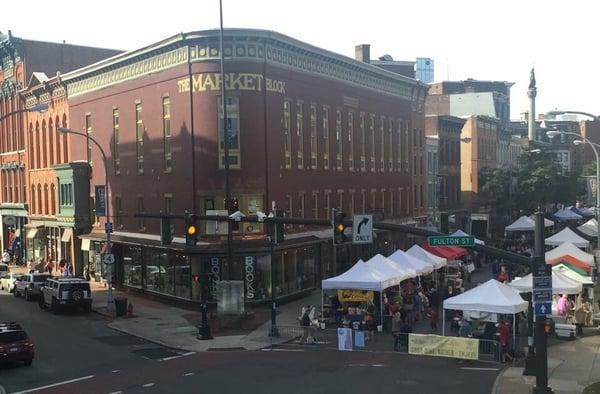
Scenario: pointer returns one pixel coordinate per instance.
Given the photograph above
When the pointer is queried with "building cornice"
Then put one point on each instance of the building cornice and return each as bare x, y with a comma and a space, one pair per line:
241, 45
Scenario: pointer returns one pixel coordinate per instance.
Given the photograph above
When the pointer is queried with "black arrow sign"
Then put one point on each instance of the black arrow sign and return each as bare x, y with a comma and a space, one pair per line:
362, 222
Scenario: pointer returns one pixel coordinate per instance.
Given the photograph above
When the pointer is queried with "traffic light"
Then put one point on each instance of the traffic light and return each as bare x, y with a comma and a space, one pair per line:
191, 229
338, 227
234, 207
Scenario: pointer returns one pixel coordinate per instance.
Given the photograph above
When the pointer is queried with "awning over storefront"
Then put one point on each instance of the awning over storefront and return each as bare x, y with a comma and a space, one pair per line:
31, 233
449, 253
67, 235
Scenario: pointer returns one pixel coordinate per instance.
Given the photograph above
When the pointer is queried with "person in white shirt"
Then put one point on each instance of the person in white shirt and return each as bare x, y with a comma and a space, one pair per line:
31, 266
6, 257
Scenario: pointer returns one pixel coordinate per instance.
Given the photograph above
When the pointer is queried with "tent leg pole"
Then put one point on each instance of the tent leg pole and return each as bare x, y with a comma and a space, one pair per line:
322, 305
381, 308
443, 322
514, 344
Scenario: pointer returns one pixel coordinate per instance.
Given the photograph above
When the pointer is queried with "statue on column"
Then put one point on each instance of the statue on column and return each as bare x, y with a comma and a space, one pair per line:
532, 79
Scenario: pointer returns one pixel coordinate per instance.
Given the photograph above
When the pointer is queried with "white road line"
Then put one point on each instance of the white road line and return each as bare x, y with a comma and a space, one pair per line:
170, 358
480, 369
55, 384
378, 365
148, 385
116, 392
188, 353
115, 371
189, 374
283, 350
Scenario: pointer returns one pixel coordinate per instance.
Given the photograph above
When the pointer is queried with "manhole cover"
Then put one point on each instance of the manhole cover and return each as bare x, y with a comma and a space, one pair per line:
155, 353
121, 340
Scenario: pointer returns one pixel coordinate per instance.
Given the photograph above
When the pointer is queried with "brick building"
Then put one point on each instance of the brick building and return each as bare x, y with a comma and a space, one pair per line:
24, 62
311, 130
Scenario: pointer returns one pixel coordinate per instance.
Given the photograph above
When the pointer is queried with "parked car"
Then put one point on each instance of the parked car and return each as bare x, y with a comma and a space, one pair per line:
7, 281
60, 293
15, 345
29, 285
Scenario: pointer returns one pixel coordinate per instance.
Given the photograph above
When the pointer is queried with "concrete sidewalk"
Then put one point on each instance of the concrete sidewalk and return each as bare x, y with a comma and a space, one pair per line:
572, 366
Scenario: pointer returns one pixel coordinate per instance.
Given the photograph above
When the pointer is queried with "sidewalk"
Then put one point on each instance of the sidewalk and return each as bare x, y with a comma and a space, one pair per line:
167, 325
572, 366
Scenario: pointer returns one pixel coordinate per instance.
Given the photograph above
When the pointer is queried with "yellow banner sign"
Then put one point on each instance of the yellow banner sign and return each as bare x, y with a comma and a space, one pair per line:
435, 345
355, 295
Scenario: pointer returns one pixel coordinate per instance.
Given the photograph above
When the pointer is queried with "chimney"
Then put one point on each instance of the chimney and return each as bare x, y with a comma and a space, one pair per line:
362, 53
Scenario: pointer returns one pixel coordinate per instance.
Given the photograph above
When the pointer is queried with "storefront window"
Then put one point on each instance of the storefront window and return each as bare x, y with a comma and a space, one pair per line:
168, 273
155, 270
182, 276
132, 266
257, 277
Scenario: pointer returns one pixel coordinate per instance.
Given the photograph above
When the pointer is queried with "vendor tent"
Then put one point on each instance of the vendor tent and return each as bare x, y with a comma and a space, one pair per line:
526, 223
571, 261
390, 269
568, 248
566, 214
585, 212
460, 233
573, 273
360, 277
449, 253
590, 228
567, 235
491, 296
405, 260
420, 253
560, 284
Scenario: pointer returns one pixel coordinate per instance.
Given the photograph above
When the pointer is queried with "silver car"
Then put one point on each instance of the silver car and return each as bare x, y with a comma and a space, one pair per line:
7, 281
29, 285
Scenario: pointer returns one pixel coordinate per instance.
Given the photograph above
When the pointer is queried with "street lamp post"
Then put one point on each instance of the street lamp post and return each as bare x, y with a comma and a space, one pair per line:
110, 302
554, 133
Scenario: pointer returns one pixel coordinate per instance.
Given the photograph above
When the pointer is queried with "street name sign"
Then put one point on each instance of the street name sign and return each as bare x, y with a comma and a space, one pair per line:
362, 229
542, 295
543, 309
542, 270
542, 282
451, 241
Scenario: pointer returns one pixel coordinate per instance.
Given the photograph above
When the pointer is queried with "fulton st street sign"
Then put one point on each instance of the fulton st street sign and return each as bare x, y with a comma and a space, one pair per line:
451, 241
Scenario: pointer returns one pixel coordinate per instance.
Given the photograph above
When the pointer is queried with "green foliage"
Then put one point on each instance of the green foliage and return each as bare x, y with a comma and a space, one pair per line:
537, 180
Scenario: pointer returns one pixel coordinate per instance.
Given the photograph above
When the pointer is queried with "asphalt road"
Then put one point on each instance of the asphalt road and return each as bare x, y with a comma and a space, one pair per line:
70, 346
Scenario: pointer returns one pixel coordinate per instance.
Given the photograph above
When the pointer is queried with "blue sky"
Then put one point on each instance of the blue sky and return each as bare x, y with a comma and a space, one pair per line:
467, 39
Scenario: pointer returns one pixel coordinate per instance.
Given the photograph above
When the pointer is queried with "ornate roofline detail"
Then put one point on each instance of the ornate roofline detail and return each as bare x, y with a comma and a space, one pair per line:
241, 44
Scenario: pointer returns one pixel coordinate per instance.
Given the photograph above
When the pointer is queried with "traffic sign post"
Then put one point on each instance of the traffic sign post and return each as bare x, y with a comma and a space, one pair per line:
543, 308
542, 295
109, 259
362, 229
108, 227
451, 241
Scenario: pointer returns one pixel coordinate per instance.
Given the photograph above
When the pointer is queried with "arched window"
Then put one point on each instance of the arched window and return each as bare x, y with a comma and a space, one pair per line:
30, 144
51, 137
46, 200
32, 199
65, 141
44, 145
39, 199
37, 145
55, 135
52, 199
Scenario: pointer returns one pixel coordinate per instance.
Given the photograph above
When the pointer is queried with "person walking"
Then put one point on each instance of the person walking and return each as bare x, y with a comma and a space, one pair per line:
433, 319
50, 266
396, 322
305, 324
505, 341
31, 266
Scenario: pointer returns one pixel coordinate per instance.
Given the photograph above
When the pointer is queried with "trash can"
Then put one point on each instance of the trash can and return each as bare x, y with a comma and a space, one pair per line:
121, 306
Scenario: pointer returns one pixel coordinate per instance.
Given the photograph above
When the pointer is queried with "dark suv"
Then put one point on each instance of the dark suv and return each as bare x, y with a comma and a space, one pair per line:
59, 293
15, 345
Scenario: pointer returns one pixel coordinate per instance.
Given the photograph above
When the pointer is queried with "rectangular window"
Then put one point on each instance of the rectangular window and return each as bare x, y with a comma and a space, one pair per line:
301, 210
382, 143
328, 204
116, 137
408, 200
399, 152
300, 133
341, 199
313, 136
139, 139
363, 141
88, 131
363, 201
351, 140
289, 205
168, 158
373, 199
406, 149
168, 203
326, 138
351, 210
383, 200
140, 209
233, 132
372, 135
315, 205
287, 134
390, 146
339, 139
118, 211
392, 202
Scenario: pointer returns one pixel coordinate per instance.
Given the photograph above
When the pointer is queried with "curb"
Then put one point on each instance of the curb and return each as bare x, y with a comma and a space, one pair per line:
2, 390
497, 380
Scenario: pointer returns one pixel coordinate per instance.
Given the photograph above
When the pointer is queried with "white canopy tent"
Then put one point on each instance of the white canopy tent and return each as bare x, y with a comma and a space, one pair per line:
526, 223
569, 273
567, 235
405, 260
491, 296
567, 214
460, 233
391, 269
568, 248
361, 277
560, 284
419, 253
589, 228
